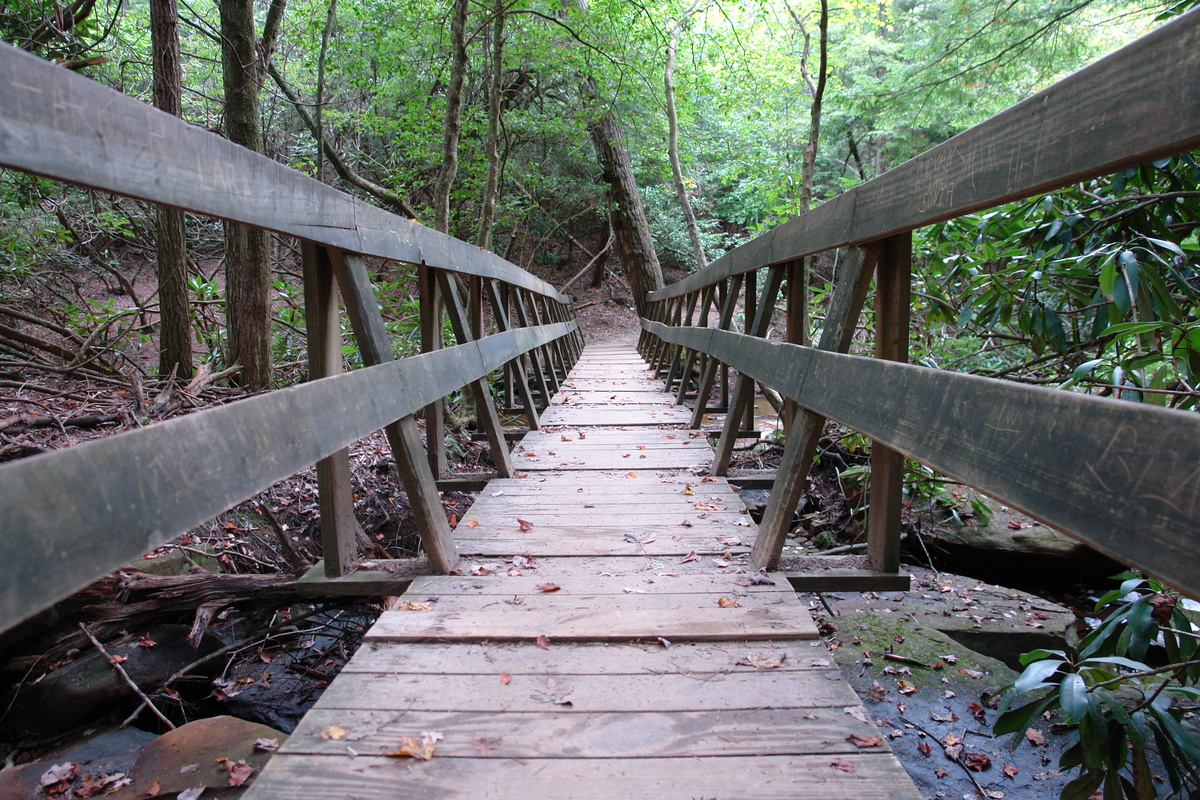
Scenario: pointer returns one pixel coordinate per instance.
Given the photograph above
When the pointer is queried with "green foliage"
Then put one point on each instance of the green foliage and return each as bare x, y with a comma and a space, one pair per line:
1101, 280
1117, 709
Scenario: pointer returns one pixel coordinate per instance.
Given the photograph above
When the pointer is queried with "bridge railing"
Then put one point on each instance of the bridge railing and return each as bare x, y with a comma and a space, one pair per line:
1120, 476
70, 517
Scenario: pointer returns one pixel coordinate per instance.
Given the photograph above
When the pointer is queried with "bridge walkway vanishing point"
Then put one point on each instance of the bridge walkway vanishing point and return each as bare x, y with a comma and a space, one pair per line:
604, 637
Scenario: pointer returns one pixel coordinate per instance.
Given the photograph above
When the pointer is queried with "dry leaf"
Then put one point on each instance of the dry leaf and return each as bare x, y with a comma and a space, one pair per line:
58, 772
1009, 770
924, 748
843, 765
155, 789
530, 453
1035, 737
146, 641
905, 687
631, 475
548, 587
728, 602
332, 732
687, 490
864, 741
525, 525
566, 438
977, 761
473, 523
505, 678
414, 605
266, 745
941, 772
542, 642
239, 772
485, 743
641, 447
421, 749
763, 660
690, 557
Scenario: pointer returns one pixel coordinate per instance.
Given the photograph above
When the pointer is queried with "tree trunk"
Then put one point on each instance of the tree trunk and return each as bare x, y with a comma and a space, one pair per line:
491, 145
453, 126
635, 247
330, 18
175, 324
247, 249
681, 192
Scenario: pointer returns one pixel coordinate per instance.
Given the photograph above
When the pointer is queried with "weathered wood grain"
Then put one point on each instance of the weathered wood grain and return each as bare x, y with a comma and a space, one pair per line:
131, 492
1089, 124
678, 734
1123, 477
692, 625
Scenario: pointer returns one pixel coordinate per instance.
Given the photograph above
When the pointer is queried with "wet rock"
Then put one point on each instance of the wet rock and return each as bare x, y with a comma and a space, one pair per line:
107, 752
89, 688
179, 562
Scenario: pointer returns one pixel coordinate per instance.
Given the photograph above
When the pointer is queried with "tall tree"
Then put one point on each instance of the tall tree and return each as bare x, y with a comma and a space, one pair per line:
681, 192
452, 129
175, 326
244, 60
491, 144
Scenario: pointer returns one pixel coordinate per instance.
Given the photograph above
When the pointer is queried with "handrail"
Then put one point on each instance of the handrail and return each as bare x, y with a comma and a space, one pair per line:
1130, 107
1119, 476
62, 125
77, 514
71, 517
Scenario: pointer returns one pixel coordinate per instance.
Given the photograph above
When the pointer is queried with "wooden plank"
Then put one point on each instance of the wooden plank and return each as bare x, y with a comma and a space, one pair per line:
590, 693
592, 459
335, 495
48, 126
500, 584
685, 625
848, 580
132, 492
860, 777
1092, 467
363, 583
1079, 128
573, 602
893, 294
602, 415
495, 658
585, 520
678, 734
556, 543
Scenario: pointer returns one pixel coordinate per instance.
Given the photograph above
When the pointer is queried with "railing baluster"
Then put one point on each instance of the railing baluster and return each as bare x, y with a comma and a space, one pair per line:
708, 376
335, 496
515, 371
431, 339
685, 379
792, 475
743, 388
416, 472
892, 296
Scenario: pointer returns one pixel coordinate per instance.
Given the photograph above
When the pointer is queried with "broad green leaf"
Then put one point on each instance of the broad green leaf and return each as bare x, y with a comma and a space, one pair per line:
1073, 696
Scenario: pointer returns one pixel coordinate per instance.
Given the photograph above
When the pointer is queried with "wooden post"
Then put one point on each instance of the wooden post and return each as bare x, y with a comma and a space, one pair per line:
893, 291
693, 356
743, 389
542, 372
416, 472
431, 339
514, 370
676, 360
334, 491
708, 375
485, 406
792, 476
797, 323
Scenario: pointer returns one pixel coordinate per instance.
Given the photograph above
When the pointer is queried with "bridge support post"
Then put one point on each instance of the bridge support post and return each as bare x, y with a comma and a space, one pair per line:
893, 278
339, 528
431, 339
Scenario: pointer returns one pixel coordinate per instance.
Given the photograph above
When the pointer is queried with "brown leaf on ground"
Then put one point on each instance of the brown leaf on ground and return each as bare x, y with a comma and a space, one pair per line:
548, 587
1009, 770
843, 765
905, 687
763, 660
505, 678
525, 525
421, 749
941, 772
924, 748
472, 523
485, 743
977, 761
239, 771
334, 732
631, 475
864, 741
690, 557
542, 642
1035, 737
728, 602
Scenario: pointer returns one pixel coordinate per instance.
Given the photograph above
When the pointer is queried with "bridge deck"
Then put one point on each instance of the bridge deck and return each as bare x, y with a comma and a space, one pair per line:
603, 640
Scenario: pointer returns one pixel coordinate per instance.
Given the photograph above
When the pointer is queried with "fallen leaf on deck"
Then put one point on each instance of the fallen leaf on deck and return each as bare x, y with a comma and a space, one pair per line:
643, 537
709, 478
421, 749
547, 587
566, 438
843, 765
266, 745
414, 605
524, 562
950, 740
762, 660
641, 447
513, 572
626, 455
473, 523
690, 557
453, 521
760, 579
482, 569
529, 453
702, 506
924, 748
542, 642
631, 475
664, 642
728, 602
505, 678
1009, 770
864, 741
729, 541
687, 490
332, 732
634, 590
525, 525
497, 493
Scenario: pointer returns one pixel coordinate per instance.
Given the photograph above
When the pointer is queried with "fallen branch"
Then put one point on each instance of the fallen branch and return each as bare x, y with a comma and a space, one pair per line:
125, 675
22, 422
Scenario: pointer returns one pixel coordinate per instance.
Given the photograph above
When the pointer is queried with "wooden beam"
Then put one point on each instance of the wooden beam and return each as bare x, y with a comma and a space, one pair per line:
334, 491
893, 291
430, 299
515, 375
708, 366
1120, 476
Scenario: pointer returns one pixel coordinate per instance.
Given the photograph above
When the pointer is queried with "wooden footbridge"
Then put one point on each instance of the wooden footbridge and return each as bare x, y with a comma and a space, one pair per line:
604, 621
